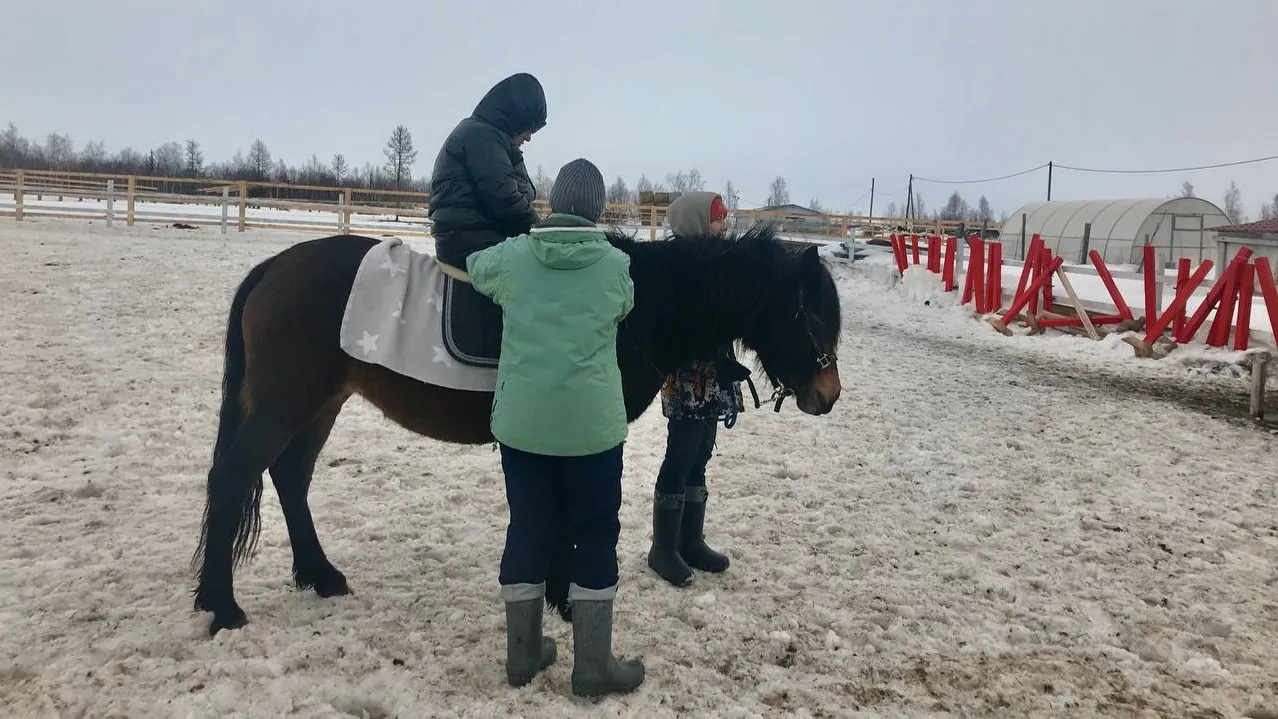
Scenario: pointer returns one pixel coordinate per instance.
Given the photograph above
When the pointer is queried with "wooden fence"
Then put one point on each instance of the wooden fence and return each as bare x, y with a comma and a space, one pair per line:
230, 203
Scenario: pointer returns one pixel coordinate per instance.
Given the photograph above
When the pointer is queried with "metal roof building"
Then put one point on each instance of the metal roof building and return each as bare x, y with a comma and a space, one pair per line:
1178, 227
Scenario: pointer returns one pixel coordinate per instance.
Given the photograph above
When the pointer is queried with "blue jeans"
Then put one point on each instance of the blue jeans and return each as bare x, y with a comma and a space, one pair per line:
689, 446
549, 495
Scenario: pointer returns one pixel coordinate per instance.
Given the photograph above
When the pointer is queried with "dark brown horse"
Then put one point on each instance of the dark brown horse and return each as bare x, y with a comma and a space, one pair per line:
286, 378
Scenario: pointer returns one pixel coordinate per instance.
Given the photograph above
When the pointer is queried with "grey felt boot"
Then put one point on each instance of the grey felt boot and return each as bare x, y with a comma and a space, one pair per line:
595, 671
527, 651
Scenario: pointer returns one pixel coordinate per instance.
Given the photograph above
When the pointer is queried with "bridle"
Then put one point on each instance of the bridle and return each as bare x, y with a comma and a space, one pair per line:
824, 359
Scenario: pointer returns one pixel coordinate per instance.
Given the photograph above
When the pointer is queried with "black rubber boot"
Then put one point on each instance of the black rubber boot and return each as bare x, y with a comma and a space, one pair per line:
663, 556
527, 651
595, 671
692, 543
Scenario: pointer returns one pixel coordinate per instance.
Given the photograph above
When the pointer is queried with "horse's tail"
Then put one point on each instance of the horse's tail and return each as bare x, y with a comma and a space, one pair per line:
559, 576
231, 416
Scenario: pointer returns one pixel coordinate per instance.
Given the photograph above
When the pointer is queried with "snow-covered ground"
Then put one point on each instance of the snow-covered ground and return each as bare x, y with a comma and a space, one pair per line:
930, 548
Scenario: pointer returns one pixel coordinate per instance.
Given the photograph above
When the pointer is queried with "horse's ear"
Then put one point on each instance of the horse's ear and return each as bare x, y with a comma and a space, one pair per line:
810, 265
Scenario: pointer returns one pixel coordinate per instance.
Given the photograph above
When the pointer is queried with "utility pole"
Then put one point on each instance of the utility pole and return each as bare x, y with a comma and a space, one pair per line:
909, 199
1049, 181
871, 198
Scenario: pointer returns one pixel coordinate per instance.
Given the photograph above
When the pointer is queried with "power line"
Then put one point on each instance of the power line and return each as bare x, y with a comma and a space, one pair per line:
1174, 169
918, 178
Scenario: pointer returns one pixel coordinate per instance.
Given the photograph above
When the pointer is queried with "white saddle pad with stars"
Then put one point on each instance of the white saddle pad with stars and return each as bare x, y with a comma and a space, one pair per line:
394, 318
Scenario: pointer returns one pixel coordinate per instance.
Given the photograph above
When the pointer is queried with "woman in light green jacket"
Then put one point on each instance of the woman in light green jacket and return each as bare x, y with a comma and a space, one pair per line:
560, 419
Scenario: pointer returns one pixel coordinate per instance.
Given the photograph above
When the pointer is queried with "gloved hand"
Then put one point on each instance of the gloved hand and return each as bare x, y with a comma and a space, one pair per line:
729, 370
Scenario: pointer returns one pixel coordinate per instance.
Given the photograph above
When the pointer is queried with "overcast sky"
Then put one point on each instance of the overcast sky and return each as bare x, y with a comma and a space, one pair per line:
827, 93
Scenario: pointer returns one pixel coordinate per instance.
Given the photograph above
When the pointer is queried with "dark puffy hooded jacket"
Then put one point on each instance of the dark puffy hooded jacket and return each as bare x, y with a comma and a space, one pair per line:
480, 189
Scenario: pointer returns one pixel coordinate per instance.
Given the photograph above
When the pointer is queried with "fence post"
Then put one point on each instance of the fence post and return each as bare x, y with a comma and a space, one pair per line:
1087, 241
128, 213
341, 213
226, 202
111, 202
652, 226
17, 197
346, 196
243, 189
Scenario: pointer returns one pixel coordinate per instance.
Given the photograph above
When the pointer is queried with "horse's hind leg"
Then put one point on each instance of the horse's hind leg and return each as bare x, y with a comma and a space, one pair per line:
291, 473
232, 516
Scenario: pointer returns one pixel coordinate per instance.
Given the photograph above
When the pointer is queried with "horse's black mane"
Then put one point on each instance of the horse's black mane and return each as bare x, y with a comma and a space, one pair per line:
702, 270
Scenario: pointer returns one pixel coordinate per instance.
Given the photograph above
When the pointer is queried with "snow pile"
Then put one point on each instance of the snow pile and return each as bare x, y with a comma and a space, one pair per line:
983, 526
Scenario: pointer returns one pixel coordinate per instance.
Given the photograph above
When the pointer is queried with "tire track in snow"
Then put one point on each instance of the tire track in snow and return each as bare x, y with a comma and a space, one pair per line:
1219, 398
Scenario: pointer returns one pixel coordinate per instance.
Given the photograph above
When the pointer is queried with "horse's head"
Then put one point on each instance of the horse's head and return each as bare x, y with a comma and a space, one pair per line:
782, 305
796, 334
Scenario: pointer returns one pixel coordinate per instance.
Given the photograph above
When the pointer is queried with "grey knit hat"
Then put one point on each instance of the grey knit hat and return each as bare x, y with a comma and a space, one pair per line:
579, 190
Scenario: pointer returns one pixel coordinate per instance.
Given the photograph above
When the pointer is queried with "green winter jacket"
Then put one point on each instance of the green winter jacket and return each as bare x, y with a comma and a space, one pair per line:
563, 290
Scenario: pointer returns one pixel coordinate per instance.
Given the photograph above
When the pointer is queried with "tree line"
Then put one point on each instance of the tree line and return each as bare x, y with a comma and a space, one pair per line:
186, 160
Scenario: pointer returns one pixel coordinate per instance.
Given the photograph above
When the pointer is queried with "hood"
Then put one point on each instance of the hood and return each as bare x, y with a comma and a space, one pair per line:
689, 214
514, 105
568, 248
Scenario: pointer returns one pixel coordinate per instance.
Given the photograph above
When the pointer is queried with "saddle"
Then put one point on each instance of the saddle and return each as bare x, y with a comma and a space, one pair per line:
472, 322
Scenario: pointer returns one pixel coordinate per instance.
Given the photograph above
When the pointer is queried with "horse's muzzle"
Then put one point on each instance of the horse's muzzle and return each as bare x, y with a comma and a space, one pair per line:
818, 396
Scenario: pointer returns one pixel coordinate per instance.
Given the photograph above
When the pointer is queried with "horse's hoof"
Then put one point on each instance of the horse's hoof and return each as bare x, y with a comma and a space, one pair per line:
227, 620
333, 586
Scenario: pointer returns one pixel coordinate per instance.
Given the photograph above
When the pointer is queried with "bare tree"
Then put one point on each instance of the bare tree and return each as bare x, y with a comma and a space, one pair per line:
815, 205
400, 156
955, 208
983, 211
730, 196
194, 159
544, 183
170, 159
696, 183
618, 193
339, 167
690, 181
892, 210
1269, 210
59, 151
1186, 189
646, 185
259, 160
920, 208
93, 155
778, 192
1233, 204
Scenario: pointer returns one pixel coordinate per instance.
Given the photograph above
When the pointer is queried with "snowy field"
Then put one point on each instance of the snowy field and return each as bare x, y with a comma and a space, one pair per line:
927, 549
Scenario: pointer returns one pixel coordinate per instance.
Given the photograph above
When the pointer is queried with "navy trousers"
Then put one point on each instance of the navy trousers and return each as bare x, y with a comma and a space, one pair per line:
689, 445
547, 495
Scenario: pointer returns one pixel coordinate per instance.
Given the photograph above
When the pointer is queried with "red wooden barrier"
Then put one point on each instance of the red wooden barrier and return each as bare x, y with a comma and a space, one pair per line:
947, 273
994, 279
934, 254
898, 251
914, 247
1191, 327
1152, 331
974, 284
1033, 289
1265, 278
1182, 276
1043, 259
1112, 287
1151, 276
1027, 269
1218, 335
1246, 287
